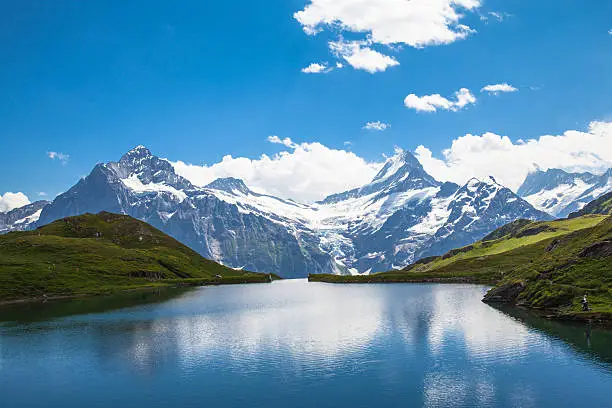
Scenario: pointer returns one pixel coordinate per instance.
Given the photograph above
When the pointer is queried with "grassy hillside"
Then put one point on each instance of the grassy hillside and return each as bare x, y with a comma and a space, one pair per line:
547, 265
102, 253
603, 205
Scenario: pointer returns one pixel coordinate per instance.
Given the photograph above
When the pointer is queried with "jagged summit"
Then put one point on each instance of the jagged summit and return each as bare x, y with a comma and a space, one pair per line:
489, 180
402, 162
140, 166
229, 185
400, 173
135, 160
559, 192
139, 151
539, 180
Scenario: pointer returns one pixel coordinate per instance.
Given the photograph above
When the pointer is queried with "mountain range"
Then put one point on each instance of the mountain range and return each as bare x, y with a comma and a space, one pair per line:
560, 193
402, 215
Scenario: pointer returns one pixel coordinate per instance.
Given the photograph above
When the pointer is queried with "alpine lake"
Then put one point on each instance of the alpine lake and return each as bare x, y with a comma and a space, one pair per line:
297, 344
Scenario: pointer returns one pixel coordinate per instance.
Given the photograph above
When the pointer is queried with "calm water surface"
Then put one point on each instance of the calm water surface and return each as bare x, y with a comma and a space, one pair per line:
298, 344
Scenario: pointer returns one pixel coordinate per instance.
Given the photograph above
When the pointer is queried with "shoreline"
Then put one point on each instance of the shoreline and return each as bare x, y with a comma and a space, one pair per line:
599, 319
603, 319
45, 299
365, 279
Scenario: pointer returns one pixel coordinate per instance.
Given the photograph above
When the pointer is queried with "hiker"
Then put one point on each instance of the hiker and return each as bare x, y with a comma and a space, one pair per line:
585, 304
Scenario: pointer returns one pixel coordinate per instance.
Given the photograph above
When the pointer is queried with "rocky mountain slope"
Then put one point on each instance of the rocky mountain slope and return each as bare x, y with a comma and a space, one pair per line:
22, 218
559, 193
402, 215
603, 205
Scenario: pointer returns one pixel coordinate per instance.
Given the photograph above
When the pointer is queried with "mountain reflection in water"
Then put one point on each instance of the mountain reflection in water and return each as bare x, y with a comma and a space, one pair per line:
294, 343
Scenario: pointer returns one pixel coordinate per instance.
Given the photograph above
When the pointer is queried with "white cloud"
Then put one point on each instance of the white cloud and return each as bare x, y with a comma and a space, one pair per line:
610, 31
286, 141
9, 201
510, 162
62, 157
306, 172
316, 68
417, 23
497, 88
358, 55
431, 103
310, 171
497, 15
378, 126
42, 194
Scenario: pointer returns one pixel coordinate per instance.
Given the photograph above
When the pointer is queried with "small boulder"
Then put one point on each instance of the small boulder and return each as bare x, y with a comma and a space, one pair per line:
507, 293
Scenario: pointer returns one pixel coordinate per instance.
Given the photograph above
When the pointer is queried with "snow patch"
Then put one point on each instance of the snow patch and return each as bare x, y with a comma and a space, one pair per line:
29, 219
137, 186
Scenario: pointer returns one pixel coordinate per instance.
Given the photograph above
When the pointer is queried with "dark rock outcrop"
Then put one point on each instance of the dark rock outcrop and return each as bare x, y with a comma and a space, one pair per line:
507, 293
597, 250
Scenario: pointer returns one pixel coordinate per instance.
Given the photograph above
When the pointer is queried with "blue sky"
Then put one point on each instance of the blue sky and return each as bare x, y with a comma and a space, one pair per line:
195, 81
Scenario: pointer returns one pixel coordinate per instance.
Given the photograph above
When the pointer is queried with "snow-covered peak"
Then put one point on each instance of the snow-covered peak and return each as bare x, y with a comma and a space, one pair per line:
472, 183
489, 181
551, 179
479, 188
484, 202
138, 152
403, 161
560, 193
137, 160
144, 173
230, 185
400, 174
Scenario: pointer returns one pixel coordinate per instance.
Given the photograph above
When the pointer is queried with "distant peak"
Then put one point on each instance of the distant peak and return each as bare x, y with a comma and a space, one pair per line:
139, 151
229, 185
489, 180
539, 172
402, 160
134, 157
406, 157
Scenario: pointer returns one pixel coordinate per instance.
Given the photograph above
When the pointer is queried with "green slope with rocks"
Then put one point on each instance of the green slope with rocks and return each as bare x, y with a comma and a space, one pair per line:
102, 253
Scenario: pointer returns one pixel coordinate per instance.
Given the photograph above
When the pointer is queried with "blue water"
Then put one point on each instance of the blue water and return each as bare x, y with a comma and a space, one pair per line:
298, 344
